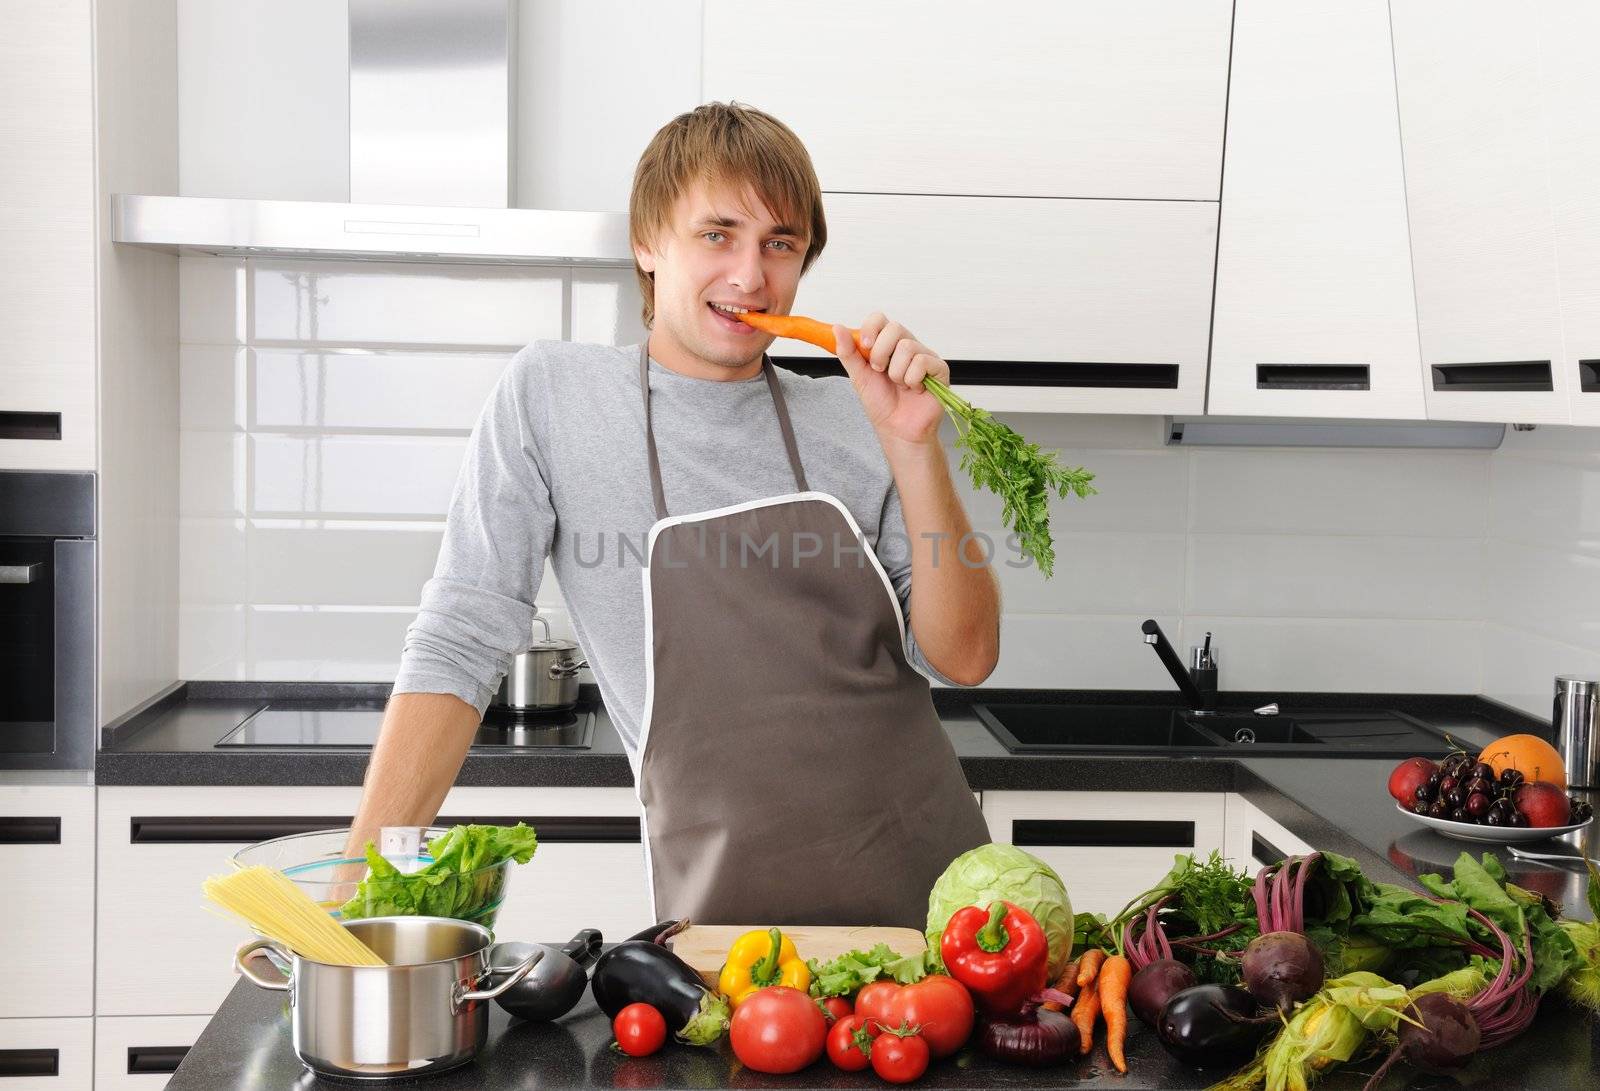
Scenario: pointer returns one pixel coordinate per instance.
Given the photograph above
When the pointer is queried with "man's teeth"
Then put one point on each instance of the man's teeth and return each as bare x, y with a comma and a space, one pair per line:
730, 309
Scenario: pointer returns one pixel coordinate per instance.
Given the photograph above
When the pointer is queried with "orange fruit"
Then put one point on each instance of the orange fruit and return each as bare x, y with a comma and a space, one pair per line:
1530, 755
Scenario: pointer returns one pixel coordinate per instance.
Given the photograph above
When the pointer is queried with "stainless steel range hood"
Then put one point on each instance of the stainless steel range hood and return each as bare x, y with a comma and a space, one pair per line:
432, 112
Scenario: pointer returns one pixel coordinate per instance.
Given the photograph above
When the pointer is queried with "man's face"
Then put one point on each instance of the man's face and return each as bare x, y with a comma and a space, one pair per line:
721, 245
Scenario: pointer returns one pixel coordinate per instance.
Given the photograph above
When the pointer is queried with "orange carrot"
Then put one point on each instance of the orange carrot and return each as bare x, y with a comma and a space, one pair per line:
1089, 965
1083, 1017
798, 328
1066, 983
1113, 990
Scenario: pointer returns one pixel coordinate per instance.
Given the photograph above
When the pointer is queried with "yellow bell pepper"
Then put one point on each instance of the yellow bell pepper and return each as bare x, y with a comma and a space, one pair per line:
759, 959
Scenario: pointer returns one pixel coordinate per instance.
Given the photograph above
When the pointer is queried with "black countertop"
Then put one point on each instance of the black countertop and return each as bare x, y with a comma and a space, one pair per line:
1337, 804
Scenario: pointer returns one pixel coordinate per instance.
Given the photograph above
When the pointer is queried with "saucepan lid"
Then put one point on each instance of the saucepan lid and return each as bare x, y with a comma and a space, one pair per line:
549, 643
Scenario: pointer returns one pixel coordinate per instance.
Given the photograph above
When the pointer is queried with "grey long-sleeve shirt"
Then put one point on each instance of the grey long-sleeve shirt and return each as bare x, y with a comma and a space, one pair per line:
556, 467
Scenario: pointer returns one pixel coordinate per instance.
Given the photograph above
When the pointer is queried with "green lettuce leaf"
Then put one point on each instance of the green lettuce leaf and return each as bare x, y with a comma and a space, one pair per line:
460, 881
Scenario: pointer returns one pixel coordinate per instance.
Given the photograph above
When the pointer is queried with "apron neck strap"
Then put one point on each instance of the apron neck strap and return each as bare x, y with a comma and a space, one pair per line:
778, 405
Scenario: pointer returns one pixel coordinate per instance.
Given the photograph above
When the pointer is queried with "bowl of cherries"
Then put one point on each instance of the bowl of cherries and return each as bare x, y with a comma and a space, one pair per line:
1465, 798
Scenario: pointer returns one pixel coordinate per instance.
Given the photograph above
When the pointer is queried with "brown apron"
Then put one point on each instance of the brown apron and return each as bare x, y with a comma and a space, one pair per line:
792, 768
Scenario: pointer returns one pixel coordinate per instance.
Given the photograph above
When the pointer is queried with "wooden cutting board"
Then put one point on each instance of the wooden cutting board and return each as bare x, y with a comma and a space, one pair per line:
705, 946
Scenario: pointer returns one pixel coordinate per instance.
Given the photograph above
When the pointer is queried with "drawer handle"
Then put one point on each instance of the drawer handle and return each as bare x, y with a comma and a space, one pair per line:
144, 1060
19, 425
1491, 375
20, 573
236, 829
1313, 377
30, 831
1589, 376
1044, 373
1093, 833
1265, 852
30, 1062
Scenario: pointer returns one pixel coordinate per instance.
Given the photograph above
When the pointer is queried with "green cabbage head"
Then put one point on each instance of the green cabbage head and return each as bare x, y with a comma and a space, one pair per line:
1004, 872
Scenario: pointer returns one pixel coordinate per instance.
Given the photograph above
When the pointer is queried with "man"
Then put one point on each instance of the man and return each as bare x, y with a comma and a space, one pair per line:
712, 522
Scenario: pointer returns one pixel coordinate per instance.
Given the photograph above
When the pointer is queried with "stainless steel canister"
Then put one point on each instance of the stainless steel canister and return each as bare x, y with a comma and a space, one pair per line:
1577, 707
422, 1013
545, 677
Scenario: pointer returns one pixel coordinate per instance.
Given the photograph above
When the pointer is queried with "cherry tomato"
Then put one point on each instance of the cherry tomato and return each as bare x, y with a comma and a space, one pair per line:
877, 1000
899, 1059
640, 1030
778, 1030
835, 1008
846, 1040
942, 1007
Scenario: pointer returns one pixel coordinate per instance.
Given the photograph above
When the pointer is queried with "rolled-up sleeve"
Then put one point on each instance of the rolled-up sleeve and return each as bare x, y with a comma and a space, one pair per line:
477, 610
894, 552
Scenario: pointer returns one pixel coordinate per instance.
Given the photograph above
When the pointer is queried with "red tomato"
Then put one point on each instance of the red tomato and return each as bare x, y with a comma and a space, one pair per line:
835, 1008
640, 1030
778, 1029
876, 1001
897, 1059
942, 1007
845, 1042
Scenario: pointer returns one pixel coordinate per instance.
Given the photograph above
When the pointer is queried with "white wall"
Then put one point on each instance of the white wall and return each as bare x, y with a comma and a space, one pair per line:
1541, 577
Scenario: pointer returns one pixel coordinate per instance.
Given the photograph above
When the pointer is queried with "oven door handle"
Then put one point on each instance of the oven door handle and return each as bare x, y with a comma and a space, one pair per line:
18, 573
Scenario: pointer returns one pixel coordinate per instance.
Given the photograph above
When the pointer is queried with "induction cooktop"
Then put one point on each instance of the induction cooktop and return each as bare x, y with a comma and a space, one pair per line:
287, 724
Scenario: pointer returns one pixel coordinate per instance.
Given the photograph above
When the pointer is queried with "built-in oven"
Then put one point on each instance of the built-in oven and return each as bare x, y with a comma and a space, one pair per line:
47, 620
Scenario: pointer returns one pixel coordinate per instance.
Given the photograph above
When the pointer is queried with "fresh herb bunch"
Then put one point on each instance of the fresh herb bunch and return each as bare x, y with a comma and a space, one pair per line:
1000, 460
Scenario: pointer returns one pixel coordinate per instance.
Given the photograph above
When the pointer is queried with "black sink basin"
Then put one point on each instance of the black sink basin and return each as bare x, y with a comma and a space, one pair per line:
1068, 728
1034, 728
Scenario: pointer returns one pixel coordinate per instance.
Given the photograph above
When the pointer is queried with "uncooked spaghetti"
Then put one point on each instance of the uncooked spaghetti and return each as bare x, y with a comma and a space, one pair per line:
269, 902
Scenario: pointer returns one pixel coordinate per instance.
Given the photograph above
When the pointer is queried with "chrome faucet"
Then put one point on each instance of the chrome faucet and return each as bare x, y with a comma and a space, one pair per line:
1198, 683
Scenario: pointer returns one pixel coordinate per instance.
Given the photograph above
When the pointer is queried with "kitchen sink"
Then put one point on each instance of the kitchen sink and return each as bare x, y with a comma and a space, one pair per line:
1120, 729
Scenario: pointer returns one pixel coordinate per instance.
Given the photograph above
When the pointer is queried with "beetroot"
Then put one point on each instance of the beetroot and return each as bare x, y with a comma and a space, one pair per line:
1155, 984
1443, 1037
1282, 968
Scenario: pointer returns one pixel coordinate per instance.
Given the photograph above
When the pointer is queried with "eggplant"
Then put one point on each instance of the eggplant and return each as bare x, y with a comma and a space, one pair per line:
643, 971
660, 932
1210, 1025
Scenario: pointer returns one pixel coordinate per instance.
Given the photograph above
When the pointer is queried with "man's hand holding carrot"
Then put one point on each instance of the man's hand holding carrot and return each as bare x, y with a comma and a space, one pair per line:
889, 377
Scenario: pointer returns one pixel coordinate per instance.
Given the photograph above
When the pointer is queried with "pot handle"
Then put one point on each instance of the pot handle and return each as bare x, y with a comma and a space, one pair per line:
243, 957
461, 994
567, 670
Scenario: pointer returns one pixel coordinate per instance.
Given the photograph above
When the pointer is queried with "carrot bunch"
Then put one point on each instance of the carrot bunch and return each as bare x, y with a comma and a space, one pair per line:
1102, 982
993, 455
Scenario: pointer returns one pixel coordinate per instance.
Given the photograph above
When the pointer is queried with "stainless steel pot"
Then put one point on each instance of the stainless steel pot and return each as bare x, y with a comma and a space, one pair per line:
422, 1013
543, 678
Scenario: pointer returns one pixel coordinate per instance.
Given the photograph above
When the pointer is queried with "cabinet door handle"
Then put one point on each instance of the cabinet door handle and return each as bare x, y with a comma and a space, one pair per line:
19, 573
1589, 376
15, 424
152, 1059
1313, 377
30, 1062
1265, 852
1493, 375
1043, 373
1094, 833
30, 831
238, 829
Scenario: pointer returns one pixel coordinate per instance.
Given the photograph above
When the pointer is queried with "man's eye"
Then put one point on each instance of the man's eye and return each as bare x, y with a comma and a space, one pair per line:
782, 243
708, 234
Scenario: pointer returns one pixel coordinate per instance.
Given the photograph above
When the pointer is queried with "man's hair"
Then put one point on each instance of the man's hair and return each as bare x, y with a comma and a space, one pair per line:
723, 143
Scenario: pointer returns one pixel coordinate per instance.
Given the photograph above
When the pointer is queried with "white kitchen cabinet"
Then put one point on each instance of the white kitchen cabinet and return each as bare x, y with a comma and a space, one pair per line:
1107, 847
1060, 293
47, 237
1252, 839
47, 856
1315, 314
1483, 250
47, 1054
1033, 98
1569, 34
140, 1053
156, 846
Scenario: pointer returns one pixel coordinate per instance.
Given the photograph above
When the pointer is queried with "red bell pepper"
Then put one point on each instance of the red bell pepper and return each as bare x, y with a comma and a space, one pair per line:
1000, 954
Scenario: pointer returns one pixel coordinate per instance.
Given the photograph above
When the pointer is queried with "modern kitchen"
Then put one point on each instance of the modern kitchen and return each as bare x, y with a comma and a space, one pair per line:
1256, 369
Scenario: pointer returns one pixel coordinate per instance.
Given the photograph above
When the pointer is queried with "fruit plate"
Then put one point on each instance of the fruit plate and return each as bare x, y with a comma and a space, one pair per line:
1491, 835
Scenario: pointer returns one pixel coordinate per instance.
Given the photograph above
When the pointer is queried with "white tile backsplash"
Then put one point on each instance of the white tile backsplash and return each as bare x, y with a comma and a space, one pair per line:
325, 410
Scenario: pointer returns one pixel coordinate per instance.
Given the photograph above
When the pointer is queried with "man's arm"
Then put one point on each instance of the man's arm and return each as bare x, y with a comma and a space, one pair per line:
420, 749
955, 598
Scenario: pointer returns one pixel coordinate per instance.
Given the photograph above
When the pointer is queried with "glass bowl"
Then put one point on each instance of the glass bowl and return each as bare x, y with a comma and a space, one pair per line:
316, 862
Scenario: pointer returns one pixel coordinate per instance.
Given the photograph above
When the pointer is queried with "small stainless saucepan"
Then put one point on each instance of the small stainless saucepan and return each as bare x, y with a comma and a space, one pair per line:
421, 1013
543, 678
